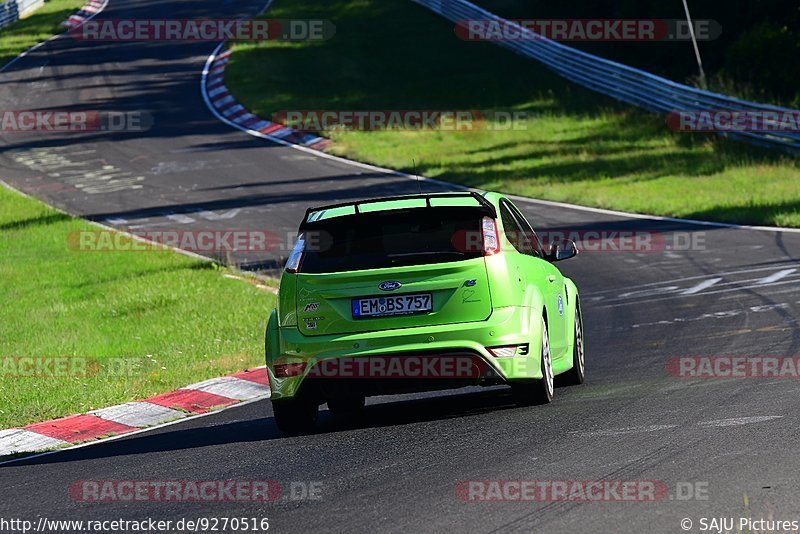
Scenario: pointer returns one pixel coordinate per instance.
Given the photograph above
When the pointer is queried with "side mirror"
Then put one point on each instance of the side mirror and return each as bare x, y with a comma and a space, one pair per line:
562, 250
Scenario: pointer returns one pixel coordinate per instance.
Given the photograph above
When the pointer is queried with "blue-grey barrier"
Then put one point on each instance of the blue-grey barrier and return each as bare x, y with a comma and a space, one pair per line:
12, 10
624, 83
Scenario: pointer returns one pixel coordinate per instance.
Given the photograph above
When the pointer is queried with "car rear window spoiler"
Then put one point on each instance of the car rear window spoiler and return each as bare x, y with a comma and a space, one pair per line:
482, 201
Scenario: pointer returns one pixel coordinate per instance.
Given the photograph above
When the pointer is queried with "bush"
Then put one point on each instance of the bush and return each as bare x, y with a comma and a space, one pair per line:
767, 57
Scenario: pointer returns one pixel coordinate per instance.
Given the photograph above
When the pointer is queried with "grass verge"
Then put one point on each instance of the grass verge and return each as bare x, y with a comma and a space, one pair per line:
137, 323
576, 146
39, 26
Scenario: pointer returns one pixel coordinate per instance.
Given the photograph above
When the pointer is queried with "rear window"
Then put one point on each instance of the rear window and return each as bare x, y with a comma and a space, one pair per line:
393, 238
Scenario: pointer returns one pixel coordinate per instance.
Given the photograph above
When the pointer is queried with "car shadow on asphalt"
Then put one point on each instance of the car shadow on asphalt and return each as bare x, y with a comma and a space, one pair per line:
205, 432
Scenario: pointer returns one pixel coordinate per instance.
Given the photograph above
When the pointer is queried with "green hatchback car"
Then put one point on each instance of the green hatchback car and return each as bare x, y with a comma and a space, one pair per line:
416, 293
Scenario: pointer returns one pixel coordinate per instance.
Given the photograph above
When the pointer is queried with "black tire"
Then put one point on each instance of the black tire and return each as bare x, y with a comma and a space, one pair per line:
577, 375
540, 391
346, 407
296, 415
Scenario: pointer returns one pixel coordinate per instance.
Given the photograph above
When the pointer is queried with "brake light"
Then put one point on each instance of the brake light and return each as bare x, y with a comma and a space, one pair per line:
491, 243
285, 370
296, 257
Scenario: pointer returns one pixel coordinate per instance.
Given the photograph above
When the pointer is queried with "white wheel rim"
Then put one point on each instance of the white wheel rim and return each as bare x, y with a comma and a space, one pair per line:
546, 361
579, 342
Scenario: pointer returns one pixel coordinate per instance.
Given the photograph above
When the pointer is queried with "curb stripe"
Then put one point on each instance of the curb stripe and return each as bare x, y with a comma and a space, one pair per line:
87, 12
226, 107
138, 414
218, 90
259, 124
233, 109
213, 88
282, 133
259, 376
77, 428
322, 144
190, 400
17, 440
234, 114
271, 128
224, 100
248, 119
107, 423
231, 387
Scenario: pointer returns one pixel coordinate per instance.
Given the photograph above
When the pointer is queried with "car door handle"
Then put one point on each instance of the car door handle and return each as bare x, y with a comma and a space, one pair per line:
551, 278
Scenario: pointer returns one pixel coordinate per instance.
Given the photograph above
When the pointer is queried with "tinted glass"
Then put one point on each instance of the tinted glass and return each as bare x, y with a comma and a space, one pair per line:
393, 238
534, 246
511, 227
518, 231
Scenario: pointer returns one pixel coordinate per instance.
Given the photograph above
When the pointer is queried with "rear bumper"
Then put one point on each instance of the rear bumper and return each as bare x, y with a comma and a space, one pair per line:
506, 326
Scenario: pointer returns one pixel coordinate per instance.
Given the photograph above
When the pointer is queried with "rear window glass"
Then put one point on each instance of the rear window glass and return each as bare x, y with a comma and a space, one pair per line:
393, 238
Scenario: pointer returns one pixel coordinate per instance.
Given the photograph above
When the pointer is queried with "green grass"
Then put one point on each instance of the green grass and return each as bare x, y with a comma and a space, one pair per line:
175, 320
39, 26
576, 146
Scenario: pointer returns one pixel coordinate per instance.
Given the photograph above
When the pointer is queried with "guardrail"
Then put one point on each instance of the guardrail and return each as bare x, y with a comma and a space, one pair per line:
624, 83
12, 10
9, 13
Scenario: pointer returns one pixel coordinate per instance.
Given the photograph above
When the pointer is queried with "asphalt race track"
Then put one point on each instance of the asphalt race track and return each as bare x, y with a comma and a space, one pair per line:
736, 293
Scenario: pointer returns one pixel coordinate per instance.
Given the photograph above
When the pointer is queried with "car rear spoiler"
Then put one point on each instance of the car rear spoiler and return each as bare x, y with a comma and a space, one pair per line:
484, 203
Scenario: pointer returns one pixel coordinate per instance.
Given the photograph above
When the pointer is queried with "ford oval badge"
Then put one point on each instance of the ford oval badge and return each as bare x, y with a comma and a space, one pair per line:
390, 286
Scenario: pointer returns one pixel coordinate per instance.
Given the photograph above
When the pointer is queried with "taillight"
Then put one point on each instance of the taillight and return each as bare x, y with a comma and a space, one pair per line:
285, 370
296, 257
509, 351
491, 243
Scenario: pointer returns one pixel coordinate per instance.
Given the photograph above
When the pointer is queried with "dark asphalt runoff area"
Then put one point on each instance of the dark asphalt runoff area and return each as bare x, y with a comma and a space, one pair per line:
735, 292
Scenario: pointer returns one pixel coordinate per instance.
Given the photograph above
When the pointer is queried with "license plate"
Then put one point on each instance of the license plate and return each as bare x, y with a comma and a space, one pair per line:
392, 305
